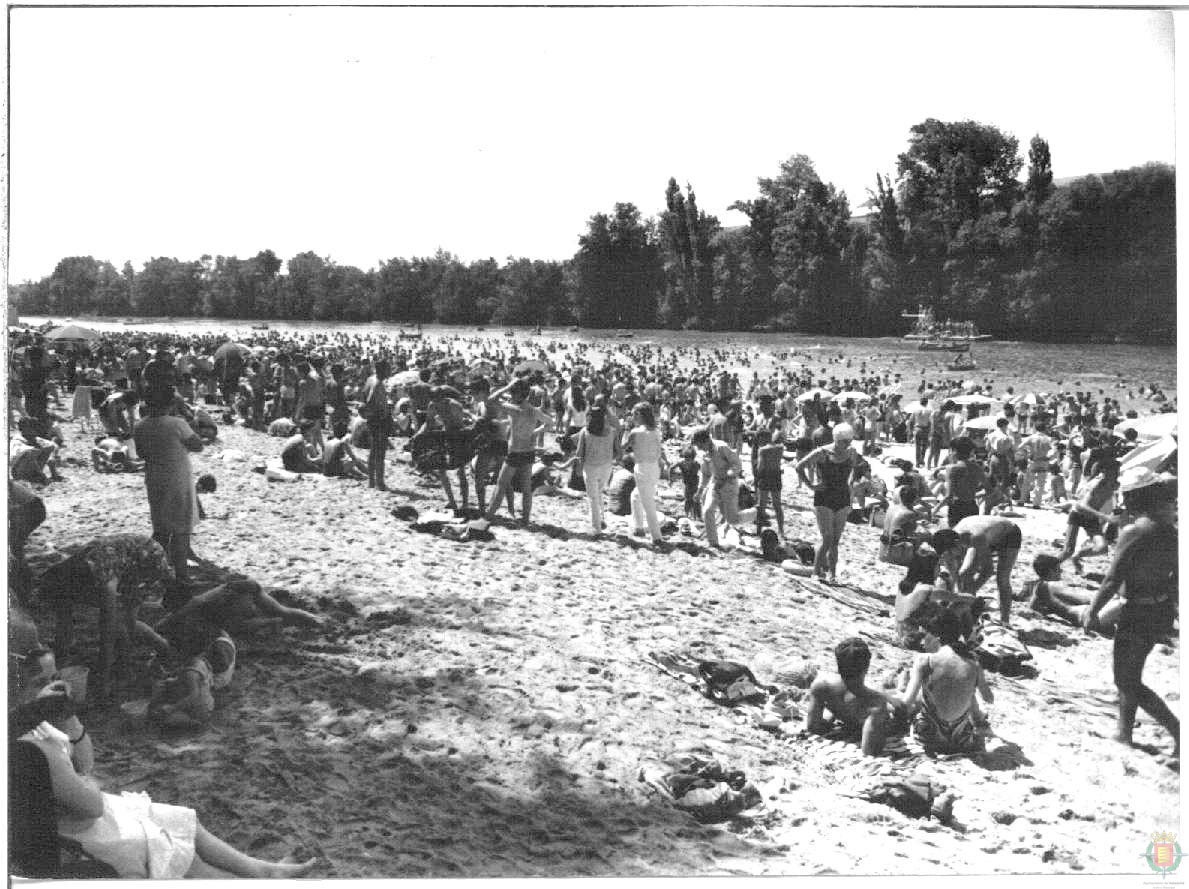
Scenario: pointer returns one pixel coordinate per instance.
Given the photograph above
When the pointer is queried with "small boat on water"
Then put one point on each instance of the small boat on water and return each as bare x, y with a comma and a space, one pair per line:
944, 345
481, 327
625, 334
927, 328
574, 329
963, 362
260, 327
509, 333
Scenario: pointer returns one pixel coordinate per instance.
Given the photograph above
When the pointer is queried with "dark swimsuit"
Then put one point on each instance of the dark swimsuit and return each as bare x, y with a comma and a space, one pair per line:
1013, 539
835, 477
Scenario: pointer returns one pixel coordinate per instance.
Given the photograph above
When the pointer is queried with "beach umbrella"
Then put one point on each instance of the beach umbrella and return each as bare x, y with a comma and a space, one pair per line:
853, 395
986, 424
975, 398
481, 366
1152, 455
1026, 398
1152, 426
73, 332
532, 364
405, 378
824, 394
230, 350
893, 389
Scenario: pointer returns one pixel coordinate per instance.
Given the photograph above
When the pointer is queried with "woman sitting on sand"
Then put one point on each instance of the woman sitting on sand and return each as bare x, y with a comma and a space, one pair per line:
299, 453
140, 839
946, 678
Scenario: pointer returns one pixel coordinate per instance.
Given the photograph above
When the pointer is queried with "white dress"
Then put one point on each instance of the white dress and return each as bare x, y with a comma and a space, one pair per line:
141, 839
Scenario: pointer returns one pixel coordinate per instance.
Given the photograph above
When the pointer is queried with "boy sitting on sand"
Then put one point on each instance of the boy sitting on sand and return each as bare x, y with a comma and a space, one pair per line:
861, 710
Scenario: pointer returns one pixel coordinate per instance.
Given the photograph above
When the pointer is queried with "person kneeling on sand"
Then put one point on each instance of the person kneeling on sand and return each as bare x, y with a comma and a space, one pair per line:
947, 717
339, 460
299, 453
862, 711
1047, 595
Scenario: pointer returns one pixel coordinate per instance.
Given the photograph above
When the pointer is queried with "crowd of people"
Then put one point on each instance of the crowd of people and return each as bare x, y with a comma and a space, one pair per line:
941, 476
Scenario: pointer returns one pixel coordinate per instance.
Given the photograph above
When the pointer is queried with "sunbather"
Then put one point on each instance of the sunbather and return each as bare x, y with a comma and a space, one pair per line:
862, 711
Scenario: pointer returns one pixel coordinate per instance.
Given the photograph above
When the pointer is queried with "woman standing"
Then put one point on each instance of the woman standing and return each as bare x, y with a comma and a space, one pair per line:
598, 450
1145, 570
645, 444
834, 464
165, 442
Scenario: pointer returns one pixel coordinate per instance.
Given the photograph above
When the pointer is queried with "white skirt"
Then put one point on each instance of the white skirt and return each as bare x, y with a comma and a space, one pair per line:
141, 839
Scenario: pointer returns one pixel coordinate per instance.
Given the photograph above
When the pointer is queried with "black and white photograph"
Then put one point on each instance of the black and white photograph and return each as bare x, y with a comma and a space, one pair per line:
542, 442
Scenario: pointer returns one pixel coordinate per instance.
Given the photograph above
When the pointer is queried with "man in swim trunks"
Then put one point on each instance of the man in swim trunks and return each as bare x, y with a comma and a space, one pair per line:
1001, 452
945, 680
987, 545
920, 422
454, 427
862, 711
1091, 514
522, 432
964, 479
378, 414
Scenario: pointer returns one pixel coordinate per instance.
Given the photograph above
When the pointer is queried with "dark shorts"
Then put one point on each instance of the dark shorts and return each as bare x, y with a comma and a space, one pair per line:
1089, 524
832, 499
1014, 539
520, 458
313, 411
960, 509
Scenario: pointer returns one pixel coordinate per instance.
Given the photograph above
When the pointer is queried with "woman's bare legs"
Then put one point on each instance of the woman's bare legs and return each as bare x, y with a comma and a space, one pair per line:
211, 852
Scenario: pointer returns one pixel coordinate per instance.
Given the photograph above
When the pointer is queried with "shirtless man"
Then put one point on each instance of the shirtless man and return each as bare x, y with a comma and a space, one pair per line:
862, 710
522, 433
987, 545
311, 399
945, 679
920, 421
446, 417
964, 479
378, 414
339, 460
299, 453
1001, 451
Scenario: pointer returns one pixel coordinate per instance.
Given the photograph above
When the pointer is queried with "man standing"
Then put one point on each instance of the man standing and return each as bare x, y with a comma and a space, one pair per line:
1001, 452
920, 420
719, 493
1037, 449
375, 412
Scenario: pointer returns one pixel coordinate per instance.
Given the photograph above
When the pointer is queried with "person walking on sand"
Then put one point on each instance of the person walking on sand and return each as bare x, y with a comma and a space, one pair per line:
644, 443
719, 492
1091, 513
833, 465
1144, 570
164, 443
598, 450
376, 411
522, 434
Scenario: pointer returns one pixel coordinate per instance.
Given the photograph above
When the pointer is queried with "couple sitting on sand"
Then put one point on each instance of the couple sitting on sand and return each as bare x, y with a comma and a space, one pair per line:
939, 701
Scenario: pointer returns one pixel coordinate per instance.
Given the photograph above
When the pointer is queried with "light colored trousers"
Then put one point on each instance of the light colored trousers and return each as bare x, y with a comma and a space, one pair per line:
596, 478
644, 499
720, 497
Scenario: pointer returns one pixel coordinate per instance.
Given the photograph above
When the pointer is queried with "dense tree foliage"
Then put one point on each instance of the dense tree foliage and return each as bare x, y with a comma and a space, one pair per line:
956, 230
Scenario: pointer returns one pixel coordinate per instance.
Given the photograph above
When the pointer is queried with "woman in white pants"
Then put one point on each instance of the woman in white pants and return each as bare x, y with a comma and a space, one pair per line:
598, 449
645, 444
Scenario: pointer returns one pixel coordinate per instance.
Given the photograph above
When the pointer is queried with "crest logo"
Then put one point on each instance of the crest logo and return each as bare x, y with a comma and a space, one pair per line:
1163, 854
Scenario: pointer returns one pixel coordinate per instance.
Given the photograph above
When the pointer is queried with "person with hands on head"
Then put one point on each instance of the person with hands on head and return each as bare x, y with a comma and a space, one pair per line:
1144, 572
525, 419
719, 491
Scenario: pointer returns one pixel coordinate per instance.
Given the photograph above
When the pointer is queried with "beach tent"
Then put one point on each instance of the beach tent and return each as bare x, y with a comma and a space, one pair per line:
1152, 426
73, 333
1152, 455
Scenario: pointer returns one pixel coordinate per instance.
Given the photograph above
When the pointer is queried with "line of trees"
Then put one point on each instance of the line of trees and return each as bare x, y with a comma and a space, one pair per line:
955, 229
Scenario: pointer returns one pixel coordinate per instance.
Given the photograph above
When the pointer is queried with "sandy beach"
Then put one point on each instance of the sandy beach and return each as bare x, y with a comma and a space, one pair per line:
488, 709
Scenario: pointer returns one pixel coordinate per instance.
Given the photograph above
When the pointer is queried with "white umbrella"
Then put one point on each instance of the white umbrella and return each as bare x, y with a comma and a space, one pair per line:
852, 396
985, 424
808, 396
1026, 398
893, 389
1151, 455
1152, 426
532, 364
975, 399
73, 332
405, 378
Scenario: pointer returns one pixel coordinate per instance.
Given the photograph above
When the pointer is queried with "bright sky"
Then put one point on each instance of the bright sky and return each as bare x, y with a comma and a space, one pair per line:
364, 133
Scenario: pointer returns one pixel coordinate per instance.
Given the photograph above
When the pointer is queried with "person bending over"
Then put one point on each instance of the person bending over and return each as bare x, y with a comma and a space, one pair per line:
986, 545
1091, 513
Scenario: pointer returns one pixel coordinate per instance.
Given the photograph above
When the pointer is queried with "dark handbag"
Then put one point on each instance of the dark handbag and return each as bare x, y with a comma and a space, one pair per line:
898, 552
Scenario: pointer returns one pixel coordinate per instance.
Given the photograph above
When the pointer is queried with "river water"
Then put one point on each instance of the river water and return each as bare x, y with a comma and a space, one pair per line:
1113, 370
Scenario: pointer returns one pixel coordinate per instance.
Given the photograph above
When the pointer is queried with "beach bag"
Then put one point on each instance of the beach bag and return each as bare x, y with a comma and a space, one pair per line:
708, 792
804, 551
730, 683
770, 546
912, 796
999, 648
896, 553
